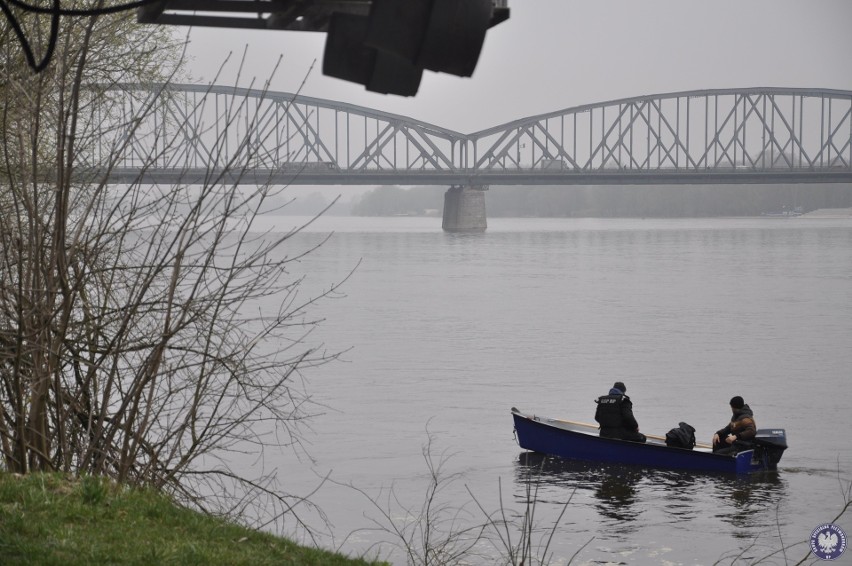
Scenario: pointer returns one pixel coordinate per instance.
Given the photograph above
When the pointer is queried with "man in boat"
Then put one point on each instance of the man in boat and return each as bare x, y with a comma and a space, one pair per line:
615, 415
737, 436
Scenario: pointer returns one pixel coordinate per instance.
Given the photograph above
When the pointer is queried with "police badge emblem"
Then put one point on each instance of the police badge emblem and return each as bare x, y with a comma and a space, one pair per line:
828, 541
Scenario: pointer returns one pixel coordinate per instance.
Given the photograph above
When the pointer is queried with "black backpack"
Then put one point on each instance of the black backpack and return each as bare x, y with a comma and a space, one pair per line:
681, 437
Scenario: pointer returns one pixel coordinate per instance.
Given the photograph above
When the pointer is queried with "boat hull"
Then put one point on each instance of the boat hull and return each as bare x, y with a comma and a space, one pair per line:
550, 436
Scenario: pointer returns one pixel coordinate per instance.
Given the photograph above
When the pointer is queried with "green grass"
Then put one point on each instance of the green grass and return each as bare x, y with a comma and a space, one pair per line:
48, 519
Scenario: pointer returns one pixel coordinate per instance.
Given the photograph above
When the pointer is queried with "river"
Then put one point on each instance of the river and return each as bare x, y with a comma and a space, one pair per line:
446, 332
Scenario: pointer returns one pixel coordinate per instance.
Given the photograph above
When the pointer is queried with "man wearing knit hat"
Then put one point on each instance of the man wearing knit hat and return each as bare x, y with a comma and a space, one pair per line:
737, 435
615, 415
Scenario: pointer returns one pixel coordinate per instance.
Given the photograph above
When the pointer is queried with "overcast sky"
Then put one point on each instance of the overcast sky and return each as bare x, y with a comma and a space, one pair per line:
555, 54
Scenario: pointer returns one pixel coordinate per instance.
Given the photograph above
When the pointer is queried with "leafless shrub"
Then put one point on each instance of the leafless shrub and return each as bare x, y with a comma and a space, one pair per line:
532, 544
440, 531
435, 531
136, 335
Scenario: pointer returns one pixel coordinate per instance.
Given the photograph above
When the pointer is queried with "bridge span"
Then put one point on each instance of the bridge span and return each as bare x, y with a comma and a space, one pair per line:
192, 133
755, 135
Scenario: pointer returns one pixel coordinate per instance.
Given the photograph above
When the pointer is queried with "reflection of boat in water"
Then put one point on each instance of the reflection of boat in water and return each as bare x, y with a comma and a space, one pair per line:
553, 470
628, 494
613, 487
785, 212
578, 441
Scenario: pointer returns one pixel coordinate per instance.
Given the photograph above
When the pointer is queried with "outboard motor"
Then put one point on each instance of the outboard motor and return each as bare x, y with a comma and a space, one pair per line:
770, 443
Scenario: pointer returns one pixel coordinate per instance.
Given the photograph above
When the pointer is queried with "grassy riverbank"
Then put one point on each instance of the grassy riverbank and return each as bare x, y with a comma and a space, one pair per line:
47, 519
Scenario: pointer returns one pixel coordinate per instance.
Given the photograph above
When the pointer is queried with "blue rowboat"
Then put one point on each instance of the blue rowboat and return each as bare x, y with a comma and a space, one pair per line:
579, 441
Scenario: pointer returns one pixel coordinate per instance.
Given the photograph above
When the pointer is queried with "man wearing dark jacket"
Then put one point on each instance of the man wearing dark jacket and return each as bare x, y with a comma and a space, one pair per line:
737, 436
615, 415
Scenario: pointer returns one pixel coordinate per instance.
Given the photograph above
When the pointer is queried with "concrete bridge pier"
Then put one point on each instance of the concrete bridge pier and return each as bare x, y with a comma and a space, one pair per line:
464, 209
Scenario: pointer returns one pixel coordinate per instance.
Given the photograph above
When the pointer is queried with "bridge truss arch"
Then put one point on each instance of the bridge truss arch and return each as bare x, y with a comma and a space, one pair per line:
272, 137
755, 135
732, 135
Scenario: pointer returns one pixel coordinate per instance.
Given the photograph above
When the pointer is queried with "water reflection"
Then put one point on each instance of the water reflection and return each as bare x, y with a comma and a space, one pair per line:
614, 488
628, 495
749, 502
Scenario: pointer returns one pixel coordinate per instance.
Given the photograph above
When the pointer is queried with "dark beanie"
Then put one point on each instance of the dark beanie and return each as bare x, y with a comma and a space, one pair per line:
620, 386
737, 402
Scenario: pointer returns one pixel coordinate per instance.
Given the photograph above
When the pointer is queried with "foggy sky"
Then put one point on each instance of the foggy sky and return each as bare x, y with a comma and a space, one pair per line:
555, 54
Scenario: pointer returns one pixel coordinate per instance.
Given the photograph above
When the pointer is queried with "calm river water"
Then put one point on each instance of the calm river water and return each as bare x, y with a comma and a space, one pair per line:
445, 333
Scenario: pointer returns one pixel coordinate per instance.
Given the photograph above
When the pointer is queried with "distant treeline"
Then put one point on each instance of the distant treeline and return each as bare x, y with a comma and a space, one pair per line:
670, 201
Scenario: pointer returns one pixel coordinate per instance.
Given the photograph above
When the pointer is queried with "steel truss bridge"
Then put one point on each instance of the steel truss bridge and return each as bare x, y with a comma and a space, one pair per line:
752, 135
